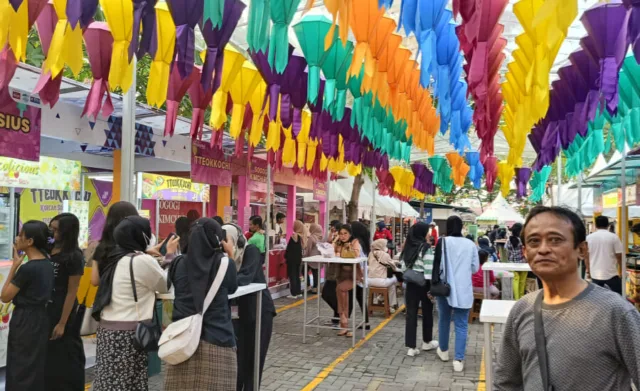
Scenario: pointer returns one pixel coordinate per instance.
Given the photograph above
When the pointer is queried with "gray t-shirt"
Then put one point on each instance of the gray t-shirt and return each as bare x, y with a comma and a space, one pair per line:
593, 344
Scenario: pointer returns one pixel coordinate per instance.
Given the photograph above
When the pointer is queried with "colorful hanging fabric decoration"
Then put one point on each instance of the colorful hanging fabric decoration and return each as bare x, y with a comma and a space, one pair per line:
186, 15
14, 26
164, 41
522, 178
476, 170
66, 44
491, 170
311, 31
258, 26
459, 169
441, 173
175, 92
335, 59
241, 91
539, 183
47, 88
423, 179
144, 18
377, 44
8, 65
213, 12
281, 12
233, 61
258, 119
296, 87
98, 41
273, 79
216, 36
403, 180
363, 27
607, 28
634, 26
119, 16
200, 99
505, 174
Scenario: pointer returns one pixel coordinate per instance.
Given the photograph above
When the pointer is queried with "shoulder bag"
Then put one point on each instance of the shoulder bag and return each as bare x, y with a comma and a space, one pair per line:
414, 276
180, 339
541, 343
440, 286
147, 332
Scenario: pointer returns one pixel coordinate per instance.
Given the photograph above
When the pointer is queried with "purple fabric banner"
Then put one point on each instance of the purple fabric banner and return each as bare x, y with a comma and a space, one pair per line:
209, 165
19, 129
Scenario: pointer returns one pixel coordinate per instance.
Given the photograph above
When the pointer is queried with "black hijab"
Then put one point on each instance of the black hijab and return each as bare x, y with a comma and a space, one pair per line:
361, 232
454, 226
416, 243
203, 258
516, 229
131, 235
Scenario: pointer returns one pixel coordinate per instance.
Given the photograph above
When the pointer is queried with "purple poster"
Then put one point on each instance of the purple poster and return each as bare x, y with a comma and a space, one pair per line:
257, 170
209, 165
19, 130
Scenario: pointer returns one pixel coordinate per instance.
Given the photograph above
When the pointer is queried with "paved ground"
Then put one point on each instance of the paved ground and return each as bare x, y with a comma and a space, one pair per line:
326, 361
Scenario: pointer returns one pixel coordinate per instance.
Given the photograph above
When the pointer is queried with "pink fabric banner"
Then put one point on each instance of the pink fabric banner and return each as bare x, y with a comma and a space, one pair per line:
319, 191
257, 172
209, 165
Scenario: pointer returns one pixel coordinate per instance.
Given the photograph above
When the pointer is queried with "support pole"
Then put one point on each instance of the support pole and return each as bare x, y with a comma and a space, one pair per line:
624, 224
267, 223
401, 226
127, 156
559, 178
372, 223
327, 204
580, 194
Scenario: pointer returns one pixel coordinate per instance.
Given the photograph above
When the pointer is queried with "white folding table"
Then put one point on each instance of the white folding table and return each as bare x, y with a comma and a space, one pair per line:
500, 267
321, 261
492, 311
243, 291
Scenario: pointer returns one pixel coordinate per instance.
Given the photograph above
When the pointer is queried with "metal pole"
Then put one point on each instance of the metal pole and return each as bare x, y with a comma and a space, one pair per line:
401, 204
580, 194
344, 211
327, 211
257, 344
139, 191
624, 223
158, 218
559, 177
128, 140
12, 220
372, 224
82, 179
267, 223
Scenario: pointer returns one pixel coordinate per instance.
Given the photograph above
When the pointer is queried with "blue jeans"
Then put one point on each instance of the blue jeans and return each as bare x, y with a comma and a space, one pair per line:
461, 324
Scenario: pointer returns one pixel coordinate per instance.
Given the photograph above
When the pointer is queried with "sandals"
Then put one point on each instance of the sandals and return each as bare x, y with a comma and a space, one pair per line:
345, 333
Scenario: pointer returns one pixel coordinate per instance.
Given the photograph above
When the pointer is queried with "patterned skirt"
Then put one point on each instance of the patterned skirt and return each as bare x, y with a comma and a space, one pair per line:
120, 366
212, 368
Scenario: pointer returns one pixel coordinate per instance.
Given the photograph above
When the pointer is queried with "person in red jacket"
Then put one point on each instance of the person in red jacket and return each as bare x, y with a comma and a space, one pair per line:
382, 232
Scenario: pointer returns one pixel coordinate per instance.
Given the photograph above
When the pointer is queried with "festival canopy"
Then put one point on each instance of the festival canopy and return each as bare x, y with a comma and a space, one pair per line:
500, 212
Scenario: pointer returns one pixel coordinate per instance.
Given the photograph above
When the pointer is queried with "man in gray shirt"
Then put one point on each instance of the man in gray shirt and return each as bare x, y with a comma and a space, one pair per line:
592, 335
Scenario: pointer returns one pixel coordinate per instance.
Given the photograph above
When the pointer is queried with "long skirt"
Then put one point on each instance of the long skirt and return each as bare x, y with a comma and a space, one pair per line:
27, 349
65, 356
120, 365
212, 368
246, 348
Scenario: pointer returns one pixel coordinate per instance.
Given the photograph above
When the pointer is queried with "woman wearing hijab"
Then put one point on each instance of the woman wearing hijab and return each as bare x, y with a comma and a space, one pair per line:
214, 365
120, 365
484, 244
248, 261
315, 237
417, 255
378, 263
516, 255
456, 262
293, 256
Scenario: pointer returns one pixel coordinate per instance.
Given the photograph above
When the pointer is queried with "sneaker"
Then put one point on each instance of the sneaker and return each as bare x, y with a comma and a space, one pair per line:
292, 297
392, 310
413, 352
430, 346
458, 366
299, 297
444, 356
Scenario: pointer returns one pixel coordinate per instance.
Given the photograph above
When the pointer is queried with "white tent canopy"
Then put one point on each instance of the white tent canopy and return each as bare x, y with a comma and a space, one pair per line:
500, 211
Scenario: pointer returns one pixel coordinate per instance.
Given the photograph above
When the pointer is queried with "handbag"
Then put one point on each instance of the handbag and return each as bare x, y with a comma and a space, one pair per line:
413, 276
541, 343
439, 286
180, 339
147, 332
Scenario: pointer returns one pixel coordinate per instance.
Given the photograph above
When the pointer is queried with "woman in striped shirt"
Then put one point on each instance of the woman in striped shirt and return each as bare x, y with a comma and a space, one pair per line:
417, 255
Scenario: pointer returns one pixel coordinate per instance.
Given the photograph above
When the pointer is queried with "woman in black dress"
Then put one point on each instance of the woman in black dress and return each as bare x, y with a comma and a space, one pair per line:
65, 353
29, 286
293, 257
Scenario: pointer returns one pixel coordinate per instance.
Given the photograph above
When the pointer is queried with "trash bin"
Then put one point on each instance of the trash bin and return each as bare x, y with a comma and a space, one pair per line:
155, 365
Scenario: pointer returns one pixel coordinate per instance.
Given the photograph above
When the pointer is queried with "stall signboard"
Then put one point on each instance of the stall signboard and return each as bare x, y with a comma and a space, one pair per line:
162, 187
209, 165
81, 210
597, 200
6, 310
228, 214
170, 211
610, 200
49, 173
257, 173
20, 129
320, 191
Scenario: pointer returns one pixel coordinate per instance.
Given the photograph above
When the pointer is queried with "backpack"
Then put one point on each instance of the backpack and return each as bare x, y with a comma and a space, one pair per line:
180, 339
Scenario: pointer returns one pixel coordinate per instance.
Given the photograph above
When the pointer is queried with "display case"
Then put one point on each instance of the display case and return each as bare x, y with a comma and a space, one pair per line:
5, 232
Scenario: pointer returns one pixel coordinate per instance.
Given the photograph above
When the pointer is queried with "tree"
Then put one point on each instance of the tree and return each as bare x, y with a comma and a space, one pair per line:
352, 206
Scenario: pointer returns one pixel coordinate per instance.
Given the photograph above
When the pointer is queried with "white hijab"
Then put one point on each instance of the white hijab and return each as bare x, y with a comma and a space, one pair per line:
232, 237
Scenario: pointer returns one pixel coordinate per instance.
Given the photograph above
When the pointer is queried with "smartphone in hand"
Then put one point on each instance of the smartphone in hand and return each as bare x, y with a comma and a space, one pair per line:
163, 248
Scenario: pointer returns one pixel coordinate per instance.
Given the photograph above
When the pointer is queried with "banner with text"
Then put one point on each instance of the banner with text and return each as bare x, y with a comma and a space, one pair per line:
319, 191
257, 172
20, 130
48, 173
209, 165
162, 187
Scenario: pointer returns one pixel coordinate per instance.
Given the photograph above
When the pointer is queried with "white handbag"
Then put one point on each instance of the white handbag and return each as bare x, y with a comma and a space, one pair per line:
180, 340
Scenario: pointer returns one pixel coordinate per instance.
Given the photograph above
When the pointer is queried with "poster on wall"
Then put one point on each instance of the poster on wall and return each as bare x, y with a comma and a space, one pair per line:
170, 211
162, 187
257, 172
81, 210
20, 129
320, 191
209, 165
49, 173
6, 310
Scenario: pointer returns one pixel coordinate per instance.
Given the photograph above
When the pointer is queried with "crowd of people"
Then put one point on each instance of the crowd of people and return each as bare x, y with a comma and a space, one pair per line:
589, 328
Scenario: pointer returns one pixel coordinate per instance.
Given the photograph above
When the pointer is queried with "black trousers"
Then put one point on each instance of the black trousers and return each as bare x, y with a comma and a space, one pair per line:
293, 272
415, 295
615, 284
246, 349
314, 273
330, 296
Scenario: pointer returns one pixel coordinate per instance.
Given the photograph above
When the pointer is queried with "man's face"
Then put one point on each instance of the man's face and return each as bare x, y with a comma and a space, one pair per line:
549, 247
280, 220
252, 227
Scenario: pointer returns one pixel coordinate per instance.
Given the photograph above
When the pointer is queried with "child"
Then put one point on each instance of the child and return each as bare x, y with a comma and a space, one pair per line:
478, 278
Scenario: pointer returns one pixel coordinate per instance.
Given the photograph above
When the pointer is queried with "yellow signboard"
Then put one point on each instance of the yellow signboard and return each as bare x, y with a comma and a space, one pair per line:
50, 173
610, 200
162, 187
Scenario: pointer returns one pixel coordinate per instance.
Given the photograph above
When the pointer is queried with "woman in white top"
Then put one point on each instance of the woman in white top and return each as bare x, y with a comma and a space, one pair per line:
120, 365
457, 267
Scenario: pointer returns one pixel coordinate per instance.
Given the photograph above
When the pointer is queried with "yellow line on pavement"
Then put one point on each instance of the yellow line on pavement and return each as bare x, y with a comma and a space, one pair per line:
296, 304
481, 380
327, 371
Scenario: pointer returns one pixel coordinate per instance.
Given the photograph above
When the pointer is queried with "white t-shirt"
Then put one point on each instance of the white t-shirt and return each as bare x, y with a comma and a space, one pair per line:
603, 247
